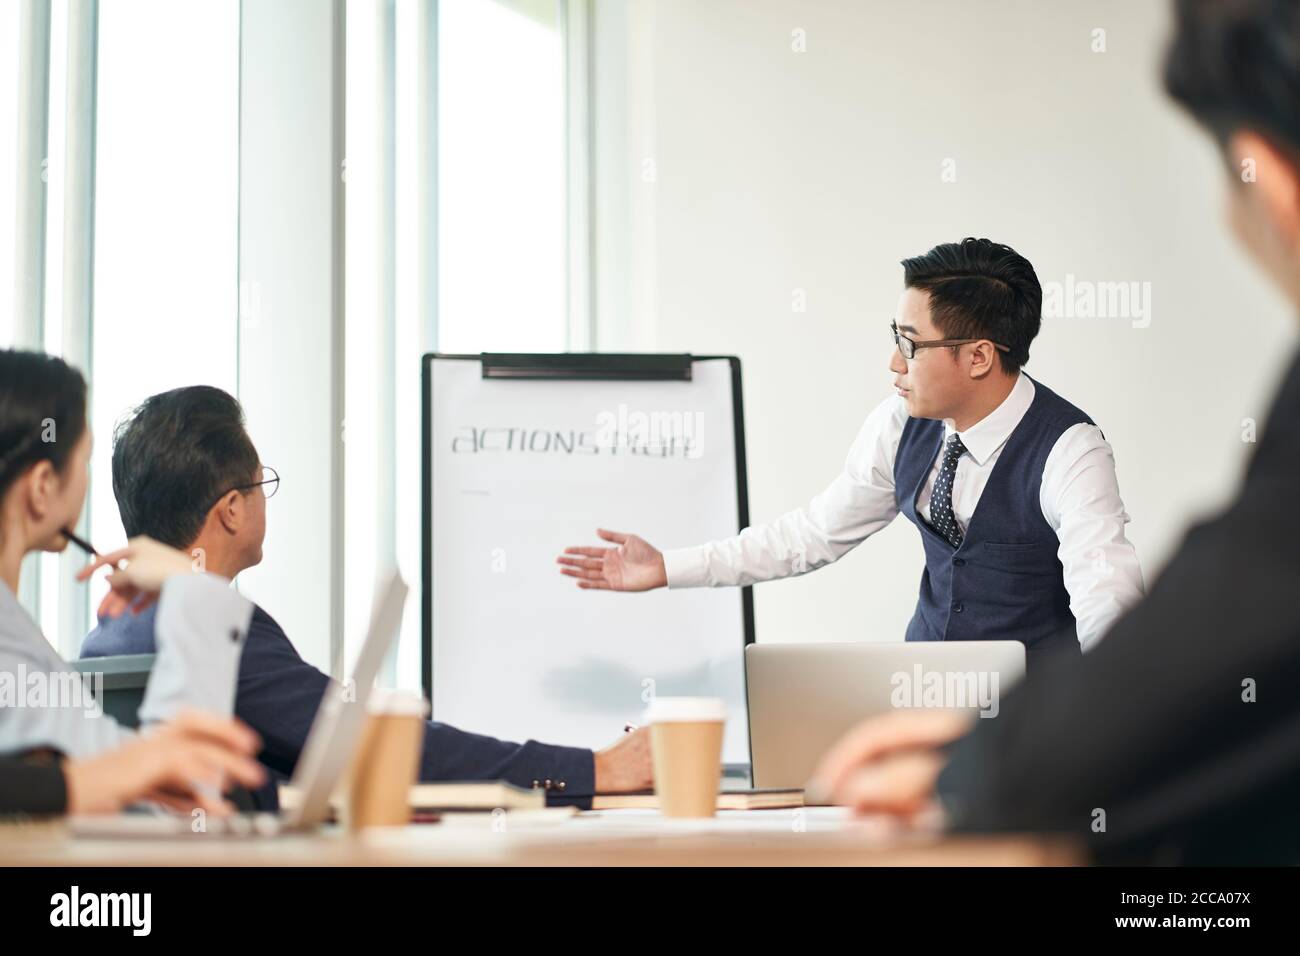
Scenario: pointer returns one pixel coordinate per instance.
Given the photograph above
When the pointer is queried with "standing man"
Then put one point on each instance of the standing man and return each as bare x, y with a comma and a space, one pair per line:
1194, 756
1011, 487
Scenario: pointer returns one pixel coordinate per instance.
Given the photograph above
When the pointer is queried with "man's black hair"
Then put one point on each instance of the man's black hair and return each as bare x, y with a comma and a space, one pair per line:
981, 289
1235, 64
174, 456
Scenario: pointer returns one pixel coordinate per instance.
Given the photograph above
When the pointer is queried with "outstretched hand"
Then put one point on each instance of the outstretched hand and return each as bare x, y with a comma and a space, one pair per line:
634, 565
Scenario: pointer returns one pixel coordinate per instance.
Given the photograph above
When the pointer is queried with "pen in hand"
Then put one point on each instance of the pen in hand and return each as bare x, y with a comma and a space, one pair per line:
81, 543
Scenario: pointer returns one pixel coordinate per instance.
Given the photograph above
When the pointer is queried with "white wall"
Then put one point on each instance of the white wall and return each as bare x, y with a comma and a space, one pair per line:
776, 171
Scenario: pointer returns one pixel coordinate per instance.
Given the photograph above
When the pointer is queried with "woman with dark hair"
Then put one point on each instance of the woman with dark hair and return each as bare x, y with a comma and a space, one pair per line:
44, 706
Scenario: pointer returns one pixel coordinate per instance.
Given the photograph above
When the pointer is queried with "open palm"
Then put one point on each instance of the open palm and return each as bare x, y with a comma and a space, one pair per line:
634, 565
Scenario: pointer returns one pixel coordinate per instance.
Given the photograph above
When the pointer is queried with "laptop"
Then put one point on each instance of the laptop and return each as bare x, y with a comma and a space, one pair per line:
331, 744
804, 697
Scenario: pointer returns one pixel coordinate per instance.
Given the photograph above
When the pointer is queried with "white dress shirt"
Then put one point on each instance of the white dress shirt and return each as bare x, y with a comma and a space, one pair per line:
1079, 497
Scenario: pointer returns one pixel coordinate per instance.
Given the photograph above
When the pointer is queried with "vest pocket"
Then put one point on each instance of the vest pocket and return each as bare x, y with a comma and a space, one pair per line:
1025, 557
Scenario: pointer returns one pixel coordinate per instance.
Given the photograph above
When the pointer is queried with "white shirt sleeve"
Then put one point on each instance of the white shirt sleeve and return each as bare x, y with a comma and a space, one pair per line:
858, 503
1080, 500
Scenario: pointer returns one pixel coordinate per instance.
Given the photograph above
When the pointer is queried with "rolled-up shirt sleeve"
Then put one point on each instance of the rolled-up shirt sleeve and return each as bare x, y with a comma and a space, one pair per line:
857, 504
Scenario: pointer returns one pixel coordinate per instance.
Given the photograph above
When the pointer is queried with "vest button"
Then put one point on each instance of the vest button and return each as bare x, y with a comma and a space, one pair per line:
959, 562
958, 607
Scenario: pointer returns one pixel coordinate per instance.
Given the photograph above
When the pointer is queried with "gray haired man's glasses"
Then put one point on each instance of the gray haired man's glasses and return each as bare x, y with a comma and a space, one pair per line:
270, 481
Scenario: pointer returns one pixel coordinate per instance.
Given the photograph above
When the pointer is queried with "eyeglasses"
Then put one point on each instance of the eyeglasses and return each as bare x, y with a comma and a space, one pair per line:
270, 481
909, 346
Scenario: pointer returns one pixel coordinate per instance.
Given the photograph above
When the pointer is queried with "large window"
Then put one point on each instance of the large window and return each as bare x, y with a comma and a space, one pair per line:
166, 210
166, 302
8, 169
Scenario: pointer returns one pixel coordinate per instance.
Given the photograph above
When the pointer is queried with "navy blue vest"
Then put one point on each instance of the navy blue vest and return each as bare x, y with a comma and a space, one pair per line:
1005, 581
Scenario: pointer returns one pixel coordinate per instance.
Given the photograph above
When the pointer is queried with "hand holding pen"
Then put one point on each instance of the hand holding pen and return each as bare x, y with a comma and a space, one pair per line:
139, 572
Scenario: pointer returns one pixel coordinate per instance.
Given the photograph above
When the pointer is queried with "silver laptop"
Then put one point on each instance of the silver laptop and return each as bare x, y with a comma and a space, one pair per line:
331, 744
804, 697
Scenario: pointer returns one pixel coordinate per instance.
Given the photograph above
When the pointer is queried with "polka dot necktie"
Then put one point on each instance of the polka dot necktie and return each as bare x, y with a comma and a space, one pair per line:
941, 517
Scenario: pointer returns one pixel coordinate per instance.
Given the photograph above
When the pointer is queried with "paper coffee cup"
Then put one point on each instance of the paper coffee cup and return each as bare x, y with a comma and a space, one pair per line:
686, 748
388, 760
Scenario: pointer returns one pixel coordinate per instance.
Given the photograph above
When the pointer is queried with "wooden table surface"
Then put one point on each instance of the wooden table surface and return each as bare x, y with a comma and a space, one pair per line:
613, 838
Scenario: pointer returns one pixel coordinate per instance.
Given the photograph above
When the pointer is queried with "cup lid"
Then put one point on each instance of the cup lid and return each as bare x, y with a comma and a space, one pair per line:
398, 703
665, 709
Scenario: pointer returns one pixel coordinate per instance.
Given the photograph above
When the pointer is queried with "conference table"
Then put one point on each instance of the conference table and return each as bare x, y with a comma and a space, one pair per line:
813, 836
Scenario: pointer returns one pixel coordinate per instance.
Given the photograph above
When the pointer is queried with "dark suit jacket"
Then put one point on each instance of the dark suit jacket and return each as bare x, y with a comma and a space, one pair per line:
278, 694
1182, 726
